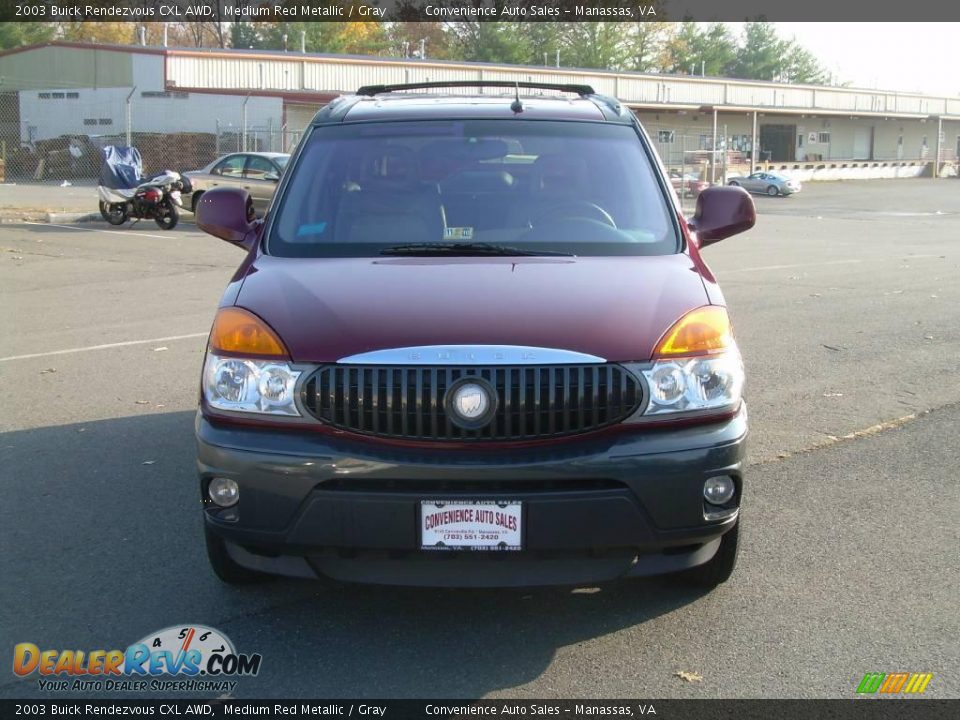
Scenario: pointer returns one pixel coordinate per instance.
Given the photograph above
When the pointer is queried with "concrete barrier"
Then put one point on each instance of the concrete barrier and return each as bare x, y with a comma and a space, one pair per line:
816, 170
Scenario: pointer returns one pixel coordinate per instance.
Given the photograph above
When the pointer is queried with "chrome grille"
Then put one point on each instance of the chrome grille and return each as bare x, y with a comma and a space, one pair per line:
534, 401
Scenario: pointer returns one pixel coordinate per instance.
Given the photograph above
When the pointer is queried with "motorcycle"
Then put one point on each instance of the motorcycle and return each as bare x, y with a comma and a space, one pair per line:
124, 193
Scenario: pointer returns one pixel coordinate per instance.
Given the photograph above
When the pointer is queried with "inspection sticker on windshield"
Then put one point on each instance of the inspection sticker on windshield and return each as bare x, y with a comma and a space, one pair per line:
458, 233
471, 525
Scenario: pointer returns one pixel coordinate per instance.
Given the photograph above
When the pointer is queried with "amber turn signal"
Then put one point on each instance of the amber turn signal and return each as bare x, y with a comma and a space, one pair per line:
240, 332
702, 331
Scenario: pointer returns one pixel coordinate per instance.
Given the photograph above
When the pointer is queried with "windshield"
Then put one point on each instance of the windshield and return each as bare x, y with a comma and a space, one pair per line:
281, 161
578, 188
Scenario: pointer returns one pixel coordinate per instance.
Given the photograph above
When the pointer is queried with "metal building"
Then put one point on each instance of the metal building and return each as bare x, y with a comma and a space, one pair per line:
263, 100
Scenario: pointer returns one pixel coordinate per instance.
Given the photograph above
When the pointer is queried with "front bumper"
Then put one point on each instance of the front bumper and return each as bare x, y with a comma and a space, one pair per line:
624, 505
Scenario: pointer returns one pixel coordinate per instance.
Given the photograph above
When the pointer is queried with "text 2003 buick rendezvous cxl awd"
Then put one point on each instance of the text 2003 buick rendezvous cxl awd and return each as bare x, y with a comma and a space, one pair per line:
473, 343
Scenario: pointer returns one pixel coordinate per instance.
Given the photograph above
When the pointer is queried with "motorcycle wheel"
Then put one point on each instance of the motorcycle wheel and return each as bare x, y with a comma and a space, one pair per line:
167, 215
114, 213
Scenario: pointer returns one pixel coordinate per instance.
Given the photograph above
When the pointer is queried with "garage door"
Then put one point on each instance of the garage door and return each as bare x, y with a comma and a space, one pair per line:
298, 116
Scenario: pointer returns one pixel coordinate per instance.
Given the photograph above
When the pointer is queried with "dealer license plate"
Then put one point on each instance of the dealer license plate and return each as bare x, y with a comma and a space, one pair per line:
471, 525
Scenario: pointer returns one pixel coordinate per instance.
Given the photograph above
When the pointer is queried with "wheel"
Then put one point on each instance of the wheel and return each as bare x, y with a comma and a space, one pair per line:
772, 191
719, 568
224, 566
195, 200
114, 213
168, 216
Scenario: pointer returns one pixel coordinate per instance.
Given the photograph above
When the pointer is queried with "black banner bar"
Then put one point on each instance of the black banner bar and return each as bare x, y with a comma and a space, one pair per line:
226, 11
853, 709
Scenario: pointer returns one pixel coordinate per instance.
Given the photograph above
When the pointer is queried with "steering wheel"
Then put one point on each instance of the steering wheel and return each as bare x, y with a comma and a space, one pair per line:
573, 211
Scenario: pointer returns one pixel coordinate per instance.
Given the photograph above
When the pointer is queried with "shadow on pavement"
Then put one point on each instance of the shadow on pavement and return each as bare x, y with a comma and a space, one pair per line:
103, 541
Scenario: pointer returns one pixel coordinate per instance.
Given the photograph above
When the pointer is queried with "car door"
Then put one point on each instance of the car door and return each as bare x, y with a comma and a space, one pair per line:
752, 182
260, 180
229, 171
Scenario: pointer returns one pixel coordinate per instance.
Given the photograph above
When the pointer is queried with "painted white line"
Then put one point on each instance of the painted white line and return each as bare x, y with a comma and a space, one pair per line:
104, 347
108, 232
788, 267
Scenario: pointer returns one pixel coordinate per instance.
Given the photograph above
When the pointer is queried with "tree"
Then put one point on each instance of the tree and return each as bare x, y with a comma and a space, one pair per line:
762, 54
803, 67
596, 45
18, 34
680, 49
496, 42
646, 45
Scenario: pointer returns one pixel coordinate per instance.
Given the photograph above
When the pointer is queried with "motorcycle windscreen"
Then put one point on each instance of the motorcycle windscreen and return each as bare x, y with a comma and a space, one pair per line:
122, 167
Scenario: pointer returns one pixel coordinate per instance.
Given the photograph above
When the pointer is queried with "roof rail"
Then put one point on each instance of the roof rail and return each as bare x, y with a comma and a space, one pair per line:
371, 90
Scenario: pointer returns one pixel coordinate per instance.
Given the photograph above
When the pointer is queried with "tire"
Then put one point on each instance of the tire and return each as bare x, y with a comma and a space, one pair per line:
734, 183
224, 566
170, 217
114, 213
195, 200
718, 569
772, 191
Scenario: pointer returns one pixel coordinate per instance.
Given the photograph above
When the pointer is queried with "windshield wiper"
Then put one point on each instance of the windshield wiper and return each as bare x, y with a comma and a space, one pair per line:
466, 249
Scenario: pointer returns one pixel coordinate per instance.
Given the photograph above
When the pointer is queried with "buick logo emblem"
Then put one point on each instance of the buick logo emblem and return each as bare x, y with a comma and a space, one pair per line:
471, 403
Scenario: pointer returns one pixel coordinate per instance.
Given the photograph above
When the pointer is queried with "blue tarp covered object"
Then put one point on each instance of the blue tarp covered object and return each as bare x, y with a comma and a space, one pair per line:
122, 167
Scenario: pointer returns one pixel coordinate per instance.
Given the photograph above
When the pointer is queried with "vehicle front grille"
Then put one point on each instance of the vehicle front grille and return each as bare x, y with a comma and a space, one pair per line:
533, 402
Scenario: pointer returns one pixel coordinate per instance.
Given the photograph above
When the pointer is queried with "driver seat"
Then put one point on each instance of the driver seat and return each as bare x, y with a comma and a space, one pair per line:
555, 180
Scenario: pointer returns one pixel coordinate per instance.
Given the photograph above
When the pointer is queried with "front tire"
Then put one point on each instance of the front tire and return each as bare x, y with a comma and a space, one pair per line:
733, 183
224, 566
170, 217
718, 569
114, 213
772, 191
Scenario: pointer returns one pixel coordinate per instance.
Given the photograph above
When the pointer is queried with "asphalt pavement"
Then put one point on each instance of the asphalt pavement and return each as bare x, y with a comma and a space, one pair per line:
845, 303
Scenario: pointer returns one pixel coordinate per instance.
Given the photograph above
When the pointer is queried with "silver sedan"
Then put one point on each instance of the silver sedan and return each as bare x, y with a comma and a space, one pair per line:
767, 183
255, 172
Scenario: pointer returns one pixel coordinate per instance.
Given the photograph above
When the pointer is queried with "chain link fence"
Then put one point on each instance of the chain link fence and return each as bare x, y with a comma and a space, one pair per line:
58, 134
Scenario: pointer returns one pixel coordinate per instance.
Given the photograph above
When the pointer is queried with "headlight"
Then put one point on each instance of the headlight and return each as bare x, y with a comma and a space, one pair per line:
712, 382
254, 386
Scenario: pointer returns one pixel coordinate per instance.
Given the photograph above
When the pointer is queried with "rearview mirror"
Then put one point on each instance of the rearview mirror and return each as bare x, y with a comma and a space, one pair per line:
227, 213
721, 212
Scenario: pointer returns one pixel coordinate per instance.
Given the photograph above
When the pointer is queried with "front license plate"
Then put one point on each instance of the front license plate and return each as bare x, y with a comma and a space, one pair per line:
471, 525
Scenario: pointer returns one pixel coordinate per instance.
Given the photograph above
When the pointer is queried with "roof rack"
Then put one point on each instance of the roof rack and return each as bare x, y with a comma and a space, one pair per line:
371, 90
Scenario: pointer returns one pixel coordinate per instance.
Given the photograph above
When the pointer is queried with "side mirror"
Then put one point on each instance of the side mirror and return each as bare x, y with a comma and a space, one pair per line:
721, 212
227, 213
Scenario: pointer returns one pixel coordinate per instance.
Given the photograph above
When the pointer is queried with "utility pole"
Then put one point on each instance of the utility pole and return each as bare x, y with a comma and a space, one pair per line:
423, 48
130, 117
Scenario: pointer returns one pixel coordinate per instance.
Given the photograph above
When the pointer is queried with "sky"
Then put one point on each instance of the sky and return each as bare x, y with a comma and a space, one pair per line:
918, 57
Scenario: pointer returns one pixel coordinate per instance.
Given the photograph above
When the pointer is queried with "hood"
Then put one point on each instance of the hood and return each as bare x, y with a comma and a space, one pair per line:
616, 308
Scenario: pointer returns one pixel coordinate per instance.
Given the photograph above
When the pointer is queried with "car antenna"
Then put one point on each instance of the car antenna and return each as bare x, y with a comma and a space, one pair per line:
517, 106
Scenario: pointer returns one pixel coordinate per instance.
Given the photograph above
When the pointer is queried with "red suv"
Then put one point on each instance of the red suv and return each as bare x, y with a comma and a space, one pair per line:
473, 343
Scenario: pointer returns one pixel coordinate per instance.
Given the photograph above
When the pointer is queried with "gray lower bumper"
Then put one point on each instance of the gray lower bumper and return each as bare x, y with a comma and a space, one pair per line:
629, 504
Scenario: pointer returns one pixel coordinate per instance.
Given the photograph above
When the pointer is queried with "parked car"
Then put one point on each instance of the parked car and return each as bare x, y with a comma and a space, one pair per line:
768, 183
687, 185
255, 172
474, 344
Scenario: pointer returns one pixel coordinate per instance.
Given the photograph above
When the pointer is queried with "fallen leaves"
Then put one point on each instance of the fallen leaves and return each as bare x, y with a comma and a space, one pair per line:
689, 676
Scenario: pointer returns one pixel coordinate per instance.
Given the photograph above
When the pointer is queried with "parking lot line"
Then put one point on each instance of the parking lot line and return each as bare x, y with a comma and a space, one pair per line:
107, 346
790, 267
108, 232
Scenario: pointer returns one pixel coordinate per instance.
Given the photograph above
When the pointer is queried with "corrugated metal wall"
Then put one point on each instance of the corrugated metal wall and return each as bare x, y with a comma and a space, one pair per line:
345, 75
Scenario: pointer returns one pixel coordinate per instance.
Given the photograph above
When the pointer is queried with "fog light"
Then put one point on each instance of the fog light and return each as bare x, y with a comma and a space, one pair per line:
223, 491
718, 490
